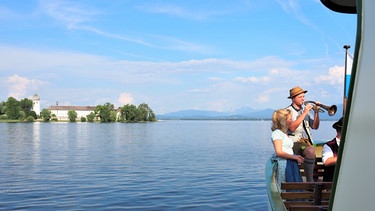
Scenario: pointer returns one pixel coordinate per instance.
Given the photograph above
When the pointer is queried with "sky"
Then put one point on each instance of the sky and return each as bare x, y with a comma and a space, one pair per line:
215, 55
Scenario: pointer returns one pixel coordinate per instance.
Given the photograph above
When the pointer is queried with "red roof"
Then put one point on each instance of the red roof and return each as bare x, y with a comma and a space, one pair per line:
75, 108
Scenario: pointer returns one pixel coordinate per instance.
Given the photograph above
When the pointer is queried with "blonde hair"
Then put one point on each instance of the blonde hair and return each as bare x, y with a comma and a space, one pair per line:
279, 118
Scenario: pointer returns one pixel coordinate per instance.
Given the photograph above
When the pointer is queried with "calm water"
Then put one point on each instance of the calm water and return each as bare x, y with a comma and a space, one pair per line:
168, 165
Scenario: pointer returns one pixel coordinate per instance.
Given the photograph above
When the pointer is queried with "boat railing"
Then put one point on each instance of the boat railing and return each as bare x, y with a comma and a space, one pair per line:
306, 195
309, 196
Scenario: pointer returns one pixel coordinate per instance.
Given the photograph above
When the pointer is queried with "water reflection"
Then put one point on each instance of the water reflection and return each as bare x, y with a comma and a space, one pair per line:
36, 141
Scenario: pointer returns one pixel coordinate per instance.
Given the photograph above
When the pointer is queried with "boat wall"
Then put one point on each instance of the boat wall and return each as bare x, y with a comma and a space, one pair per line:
354, 183
273, 190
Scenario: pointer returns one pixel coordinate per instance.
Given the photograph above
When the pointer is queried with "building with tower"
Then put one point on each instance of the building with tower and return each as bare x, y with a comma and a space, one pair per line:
61, 112
36, 104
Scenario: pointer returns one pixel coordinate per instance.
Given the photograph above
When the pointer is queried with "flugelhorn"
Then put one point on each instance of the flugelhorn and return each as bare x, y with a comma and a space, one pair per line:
331, 109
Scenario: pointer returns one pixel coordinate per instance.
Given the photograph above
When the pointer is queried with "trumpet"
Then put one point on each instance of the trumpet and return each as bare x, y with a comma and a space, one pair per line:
330, 109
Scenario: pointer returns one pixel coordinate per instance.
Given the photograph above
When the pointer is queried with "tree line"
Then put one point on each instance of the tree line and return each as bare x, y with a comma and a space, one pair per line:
12, 109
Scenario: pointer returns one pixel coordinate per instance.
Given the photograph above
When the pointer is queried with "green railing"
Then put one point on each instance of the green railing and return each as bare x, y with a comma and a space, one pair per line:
273, 190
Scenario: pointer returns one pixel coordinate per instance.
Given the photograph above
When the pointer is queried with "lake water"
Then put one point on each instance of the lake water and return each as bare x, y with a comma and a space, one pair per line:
167, 165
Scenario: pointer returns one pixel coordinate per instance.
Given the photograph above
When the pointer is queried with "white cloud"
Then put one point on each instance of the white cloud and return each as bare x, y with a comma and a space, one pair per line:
219, 84
335, 76
69, 13
199, 90
267, 95
125, 98
293, 8
257, 80
263, 99
78, 17
46, 61
284, 71
215, 79
174, 10
184, 11
20, 87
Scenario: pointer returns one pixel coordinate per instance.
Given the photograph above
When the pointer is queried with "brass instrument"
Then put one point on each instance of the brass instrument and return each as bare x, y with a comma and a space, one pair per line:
331, 109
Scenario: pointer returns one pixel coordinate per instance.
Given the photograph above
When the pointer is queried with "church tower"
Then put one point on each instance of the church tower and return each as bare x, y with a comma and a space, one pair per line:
36, 104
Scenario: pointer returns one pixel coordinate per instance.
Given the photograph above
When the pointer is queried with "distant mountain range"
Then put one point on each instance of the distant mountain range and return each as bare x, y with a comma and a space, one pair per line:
245, 113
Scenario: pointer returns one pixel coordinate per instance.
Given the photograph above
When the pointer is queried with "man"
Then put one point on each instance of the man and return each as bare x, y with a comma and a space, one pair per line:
330, 151
299, 129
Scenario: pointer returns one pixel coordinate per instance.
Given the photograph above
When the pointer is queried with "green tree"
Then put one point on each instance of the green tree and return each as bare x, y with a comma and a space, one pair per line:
142, 112
26, 106
152, 117
113, 116
2, 108
83, 119
45, 114
121, 117
54, 118
129, 113
33, 114
72, 115
22, 115
30, 119
104, 112
145, 113
90, 117
12, 108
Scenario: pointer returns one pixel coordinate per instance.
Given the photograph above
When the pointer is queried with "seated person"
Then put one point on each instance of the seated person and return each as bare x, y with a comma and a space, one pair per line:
330, 151
288, 170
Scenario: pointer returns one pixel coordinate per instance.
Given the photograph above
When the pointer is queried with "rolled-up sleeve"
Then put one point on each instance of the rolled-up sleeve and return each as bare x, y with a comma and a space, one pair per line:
326, 153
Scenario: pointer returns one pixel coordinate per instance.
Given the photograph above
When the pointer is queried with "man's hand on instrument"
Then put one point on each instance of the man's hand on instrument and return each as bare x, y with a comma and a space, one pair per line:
308, 108
317, 106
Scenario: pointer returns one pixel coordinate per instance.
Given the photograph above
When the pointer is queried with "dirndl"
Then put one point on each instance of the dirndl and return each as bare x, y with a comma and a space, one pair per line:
292, 173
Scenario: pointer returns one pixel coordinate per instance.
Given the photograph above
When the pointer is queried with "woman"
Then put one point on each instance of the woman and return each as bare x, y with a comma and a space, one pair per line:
288, 170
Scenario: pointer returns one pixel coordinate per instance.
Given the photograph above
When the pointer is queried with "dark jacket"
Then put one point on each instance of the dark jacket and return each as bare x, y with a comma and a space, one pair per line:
330, 170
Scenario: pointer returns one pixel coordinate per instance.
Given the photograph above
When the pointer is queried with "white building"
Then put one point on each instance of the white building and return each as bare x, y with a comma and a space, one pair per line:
61, 112
36, 104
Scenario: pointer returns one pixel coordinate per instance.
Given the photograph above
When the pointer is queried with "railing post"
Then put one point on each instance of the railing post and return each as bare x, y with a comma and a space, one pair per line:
318, 193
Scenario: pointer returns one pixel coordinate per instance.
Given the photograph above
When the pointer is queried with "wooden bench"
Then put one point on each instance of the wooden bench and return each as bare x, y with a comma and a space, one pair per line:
306, 196
310, 195
318, 170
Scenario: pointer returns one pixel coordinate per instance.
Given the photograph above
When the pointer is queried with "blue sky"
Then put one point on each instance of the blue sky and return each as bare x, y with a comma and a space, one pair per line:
173, 55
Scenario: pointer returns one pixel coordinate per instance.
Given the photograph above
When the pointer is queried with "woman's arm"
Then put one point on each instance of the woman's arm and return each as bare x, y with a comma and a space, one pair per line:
280, 153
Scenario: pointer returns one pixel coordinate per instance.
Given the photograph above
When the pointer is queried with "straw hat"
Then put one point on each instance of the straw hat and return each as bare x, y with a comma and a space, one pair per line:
296, 91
